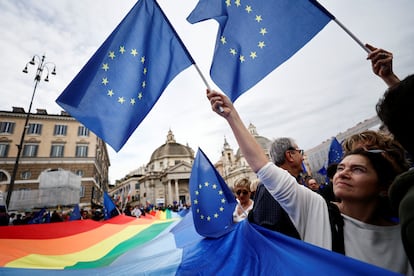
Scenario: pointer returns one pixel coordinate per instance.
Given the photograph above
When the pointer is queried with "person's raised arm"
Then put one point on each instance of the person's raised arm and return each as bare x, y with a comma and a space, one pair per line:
381, 62
250, 148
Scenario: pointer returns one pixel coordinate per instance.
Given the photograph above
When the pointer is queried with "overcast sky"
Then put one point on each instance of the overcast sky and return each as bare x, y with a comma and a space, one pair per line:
325, 88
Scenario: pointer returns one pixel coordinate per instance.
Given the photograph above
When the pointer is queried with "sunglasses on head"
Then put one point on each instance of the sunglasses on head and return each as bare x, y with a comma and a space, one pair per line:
238, 192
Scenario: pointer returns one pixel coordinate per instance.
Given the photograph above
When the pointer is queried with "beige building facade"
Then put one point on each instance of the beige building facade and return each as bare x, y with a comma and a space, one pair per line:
52, 143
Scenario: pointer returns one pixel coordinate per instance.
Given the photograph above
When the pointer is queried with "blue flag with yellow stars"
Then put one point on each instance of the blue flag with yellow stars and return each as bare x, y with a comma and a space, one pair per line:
123, 80
256, 36
212, 202
109, 206
335, 152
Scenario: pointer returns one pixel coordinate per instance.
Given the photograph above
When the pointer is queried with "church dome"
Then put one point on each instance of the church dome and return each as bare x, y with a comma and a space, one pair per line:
263, 141
171, 149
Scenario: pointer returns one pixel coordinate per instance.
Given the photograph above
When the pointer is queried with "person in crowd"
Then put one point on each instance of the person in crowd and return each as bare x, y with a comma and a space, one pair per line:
12, 218
136, 212
4, 216
85, 214
313, 184
253, 187
267, 212
128, 210
244, 203
361, 177
56, 217
18, 220
395, 110
371, 139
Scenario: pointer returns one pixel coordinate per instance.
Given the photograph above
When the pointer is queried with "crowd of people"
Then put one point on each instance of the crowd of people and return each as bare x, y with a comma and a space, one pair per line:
365, 210
368, 215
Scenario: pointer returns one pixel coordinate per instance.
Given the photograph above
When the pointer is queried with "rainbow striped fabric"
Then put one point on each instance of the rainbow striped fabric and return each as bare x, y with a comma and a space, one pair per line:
163, 245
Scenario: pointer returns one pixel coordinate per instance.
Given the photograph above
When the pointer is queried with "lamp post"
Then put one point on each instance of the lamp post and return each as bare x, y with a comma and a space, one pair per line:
41, 66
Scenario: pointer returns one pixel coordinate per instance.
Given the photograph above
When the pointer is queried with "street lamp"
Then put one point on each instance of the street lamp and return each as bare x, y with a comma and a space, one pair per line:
42, 65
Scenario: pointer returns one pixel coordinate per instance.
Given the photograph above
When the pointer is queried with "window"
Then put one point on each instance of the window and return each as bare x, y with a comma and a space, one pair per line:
26, 175
30, 150
4, 150
34, 129
81, 151
3, 176
82, 191
79, 172
6, 127
60, 130
83, 131
57, 150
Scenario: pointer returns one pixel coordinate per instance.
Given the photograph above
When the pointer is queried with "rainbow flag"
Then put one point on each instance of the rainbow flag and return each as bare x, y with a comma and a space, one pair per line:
163, 244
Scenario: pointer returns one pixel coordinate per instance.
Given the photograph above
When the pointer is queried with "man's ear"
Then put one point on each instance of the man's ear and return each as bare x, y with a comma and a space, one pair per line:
288, 156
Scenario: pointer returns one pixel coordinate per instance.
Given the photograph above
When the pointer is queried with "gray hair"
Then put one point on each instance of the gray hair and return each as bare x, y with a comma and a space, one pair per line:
278, 148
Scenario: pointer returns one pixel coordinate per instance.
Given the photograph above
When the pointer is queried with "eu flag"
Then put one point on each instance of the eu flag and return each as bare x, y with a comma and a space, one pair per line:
212, 202
123, 80
109, 206
256, 36
75, 213
335, 152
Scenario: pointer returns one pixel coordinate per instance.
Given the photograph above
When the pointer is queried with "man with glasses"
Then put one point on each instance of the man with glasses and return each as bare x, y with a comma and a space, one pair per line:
267, 212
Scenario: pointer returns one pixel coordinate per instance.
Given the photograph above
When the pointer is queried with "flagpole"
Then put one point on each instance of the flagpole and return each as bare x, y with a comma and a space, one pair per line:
353, 36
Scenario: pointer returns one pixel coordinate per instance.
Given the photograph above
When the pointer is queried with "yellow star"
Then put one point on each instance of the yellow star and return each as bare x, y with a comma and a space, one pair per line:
206, 184
261, 44
110, 93
105, 67
223, 200
139, 98
200, 186
195, 201
132, 101
259, 18
220, 192
263, 31
208, 218
121, 100
242, 59
105, 81
221, 209
145, 70
233, 51
144, 84
111, 54
223, 40
202, 217
237, 2
134, 52
228, 3
215, 215
248, 9
214, 186
122, 49
253, 55
142, 59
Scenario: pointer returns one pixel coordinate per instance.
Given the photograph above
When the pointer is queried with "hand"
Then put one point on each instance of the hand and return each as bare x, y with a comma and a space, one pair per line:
381, 62
220, 103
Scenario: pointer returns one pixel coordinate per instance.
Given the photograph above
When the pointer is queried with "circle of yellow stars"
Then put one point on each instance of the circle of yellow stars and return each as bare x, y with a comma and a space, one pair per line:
262, 31
110, 92
208, 217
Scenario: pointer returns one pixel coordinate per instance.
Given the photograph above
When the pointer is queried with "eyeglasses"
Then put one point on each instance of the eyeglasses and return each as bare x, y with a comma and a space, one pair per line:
238, 192
301, 151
